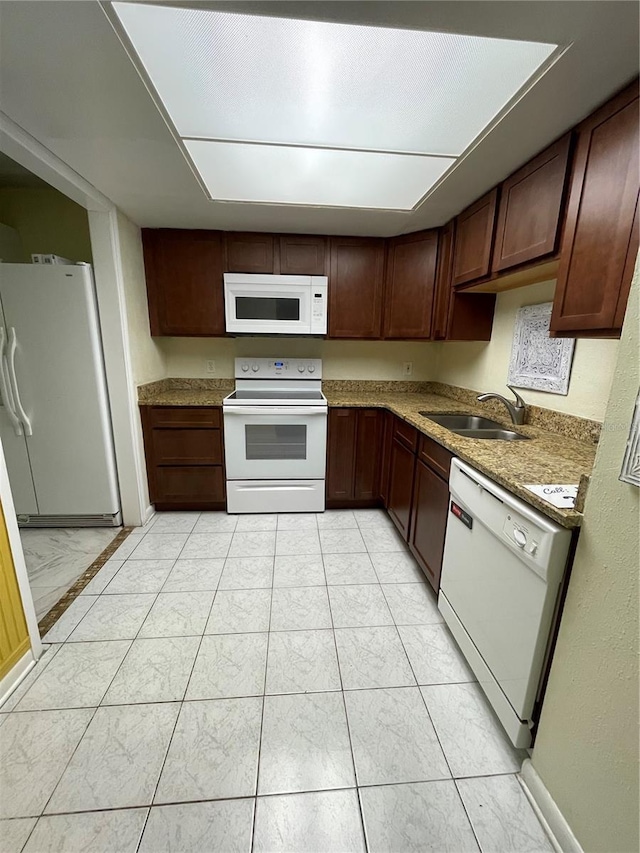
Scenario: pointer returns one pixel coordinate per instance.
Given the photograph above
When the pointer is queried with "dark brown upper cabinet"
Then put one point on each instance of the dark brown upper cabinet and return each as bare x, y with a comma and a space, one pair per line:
356, 287
529, 214
184, 281
443, 291
246, 252
410, 285
303, 255
473, 239
600, 240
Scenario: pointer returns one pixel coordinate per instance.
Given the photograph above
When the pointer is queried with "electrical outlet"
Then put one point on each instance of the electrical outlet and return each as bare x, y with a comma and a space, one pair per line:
407, 368
211, 366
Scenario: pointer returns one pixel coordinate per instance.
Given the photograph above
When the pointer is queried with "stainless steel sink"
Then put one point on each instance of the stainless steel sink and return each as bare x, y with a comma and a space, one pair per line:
474, 426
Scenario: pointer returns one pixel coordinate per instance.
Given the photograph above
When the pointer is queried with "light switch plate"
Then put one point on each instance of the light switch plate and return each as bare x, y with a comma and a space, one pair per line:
407, 368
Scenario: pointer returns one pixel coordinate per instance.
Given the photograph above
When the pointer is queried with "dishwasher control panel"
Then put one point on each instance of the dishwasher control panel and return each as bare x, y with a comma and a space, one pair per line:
522, 534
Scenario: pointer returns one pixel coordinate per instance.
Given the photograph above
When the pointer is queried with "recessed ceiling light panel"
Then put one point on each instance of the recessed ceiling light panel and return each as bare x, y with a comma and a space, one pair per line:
314, 176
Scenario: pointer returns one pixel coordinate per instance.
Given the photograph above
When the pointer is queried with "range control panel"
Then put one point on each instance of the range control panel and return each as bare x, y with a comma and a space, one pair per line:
278, 368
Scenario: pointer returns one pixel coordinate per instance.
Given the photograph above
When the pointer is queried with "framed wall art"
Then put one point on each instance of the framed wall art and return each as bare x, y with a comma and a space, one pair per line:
630, 472
538, 361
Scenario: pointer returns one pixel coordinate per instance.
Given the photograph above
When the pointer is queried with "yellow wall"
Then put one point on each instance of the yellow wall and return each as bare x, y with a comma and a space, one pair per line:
484, 366
586, 751
47, 221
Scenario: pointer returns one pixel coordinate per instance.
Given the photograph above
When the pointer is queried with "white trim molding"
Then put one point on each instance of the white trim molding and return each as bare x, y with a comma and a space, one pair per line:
547, 810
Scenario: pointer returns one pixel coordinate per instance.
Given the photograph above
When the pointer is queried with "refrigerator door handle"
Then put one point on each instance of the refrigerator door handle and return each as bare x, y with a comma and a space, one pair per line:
7, 396
13, 343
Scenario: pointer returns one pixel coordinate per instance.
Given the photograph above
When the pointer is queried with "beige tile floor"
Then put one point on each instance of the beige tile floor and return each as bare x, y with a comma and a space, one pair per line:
262, 683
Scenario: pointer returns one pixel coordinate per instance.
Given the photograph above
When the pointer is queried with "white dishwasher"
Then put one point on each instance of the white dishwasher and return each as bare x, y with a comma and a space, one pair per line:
502, 570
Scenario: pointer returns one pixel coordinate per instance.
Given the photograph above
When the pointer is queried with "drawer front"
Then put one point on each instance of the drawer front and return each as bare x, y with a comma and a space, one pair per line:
405, 434
435, 456
187, 484
185, 416
186, 446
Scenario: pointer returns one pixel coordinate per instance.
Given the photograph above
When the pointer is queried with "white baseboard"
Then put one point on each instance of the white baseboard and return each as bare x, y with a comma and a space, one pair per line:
148, 514
547, 810
18, 673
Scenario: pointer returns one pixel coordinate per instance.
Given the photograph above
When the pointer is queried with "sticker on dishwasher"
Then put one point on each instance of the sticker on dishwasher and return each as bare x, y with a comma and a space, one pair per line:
461, 515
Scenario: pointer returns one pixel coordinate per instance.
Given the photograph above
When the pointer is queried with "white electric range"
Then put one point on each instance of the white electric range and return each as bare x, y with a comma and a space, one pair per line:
275, 436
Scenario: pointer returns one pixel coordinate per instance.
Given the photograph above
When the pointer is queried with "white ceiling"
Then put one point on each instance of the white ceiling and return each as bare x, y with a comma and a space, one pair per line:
65, 78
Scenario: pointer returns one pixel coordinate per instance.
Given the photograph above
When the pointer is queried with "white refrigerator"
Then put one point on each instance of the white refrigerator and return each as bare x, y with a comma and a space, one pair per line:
55, 422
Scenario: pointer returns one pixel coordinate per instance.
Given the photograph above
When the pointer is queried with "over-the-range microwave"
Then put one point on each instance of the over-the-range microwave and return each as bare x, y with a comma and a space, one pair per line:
275, 304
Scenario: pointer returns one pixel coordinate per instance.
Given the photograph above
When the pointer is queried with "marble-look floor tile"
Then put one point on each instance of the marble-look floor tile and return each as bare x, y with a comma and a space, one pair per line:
305, 570
113, 617
412, 603
427, 816
70, 619
206, 546
78, 677
397, 567
393, 738
98, 583
305, 744
194, 576
98, 832
118, 761
155, 670
300, 608
302, 662
173, 522
213, 752
229, 665
140, 576
34, 750
348, 568
214, 827
434, 655
472, 738
293, 543
247, 573
336, 519
297, 521
14, 833
216, 522
321, 822
375, 518
178, 614
46, 597
382, 540
253, 544
36, 671
240, 611
359, 606
501, 815
372, 657
160, 546
257, 521
124, 551
56, 557
341, 542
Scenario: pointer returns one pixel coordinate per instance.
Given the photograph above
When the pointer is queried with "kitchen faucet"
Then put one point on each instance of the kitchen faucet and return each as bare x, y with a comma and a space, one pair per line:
517, 410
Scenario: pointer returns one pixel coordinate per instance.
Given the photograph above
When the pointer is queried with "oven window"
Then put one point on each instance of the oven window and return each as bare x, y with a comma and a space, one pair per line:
276, 441
267, 308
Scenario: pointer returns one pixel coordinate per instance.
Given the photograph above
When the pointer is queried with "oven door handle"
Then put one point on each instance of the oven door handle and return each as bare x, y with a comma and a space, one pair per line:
283, 411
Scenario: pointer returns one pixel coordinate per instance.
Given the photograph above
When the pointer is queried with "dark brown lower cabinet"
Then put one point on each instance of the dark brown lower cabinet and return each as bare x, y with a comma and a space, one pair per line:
402, 463
429, 509
184, 453
353, 456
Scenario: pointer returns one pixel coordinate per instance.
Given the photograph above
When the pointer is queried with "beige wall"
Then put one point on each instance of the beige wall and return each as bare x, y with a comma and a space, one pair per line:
147, 360
586, 751
341, 359
484, 366
47, 221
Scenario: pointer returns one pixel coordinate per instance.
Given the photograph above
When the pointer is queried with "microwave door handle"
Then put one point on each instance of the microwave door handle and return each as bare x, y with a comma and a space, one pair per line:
13, 344
274, 410
5, 390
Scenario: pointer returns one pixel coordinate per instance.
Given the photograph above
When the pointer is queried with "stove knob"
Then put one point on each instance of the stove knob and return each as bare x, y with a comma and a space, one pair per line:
301, 368
245, 367
255, 367
311, 368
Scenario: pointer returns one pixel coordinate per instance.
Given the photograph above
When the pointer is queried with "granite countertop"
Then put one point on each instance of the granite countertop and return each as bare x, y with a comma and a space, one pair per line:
563, 454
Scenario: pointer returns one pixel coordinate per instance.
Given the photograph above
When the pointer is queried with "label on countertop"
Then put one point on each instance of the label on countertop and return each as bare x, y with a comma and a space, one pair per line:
562, 496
